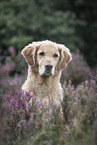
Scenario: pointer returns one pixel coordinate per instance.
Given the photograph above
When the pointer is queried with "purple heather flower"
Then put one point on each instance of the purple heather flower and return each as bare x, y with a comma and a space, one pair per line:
66, 133
12, 51
34, 113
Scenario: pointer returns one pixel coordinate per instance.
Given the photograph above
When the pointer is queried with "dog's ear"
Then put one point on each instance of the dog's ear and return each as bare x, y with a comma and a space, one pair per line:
29, 53
65, 56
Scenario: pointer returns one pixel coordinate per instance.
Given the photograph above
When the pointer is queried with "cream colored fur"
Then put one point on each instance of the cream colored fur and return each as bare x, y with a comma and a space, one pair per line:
41, 84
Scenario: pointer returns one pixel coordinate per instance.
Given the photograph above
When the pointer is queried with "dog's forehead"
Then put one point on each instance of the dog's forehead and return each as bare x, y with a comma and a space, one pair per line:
48, 47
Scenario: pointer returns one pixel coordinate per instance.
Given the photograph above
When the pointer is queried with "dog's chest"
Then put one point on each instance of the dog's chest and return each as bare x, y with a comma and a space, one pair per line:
43, 89
43, 86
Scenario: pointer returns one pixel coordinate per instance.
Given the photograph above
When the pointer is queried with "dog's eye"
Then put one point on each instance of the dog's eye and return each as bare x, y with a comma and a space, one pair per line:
55, 55
41, 53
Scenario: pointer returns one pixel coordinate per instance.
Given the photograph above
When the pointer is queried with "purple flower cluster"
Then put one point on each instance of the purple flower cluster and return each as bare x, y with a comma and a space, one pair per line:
27, 112
80, 103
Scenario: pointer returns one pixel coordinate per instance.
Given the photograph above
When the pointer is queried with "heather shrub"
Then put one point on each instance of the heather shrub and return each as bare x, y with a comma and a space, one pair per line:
25, 118
12, 71
80, 110
40, 123
77, 71
80, 103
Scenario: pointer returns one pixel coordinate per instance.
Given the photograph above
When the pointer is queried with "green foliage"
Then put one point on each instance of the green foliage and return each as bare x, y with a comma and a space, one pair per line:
70, 22
85, 11
23, 22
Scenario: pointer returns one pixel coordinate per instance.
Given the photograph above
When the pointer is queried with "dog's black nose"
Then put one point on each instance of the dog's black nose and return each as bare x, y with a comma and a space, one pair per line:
48, 67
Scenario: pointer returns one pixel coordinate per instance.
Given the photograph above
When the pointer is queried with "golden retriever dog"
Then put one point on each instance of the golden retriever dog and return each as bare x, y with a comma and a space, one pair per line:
46, 60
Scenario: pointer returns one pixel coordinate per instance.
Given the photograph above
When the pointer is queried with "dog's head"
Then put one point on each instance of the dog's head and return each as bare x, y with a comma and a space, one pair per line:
47, 57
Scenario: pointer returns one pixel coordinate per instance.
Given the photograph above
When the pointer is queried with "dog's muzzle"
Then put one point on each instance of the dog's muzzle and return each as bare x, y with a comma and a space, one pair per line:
48, 69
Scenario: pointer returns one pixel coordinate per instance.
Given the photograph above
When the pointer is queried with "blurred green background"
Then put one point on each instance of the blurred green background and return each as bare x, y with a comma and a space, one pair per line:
73, 23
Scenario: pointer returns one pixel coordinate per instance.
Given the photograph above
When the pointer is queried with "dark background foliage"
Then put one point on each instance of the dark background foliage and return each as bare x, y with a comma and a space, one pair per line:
73, 23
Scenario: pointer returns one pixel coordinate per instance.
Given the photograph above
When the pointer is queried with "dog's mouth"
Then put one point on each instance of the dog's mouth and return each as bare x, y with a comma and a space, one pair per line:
47, 74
